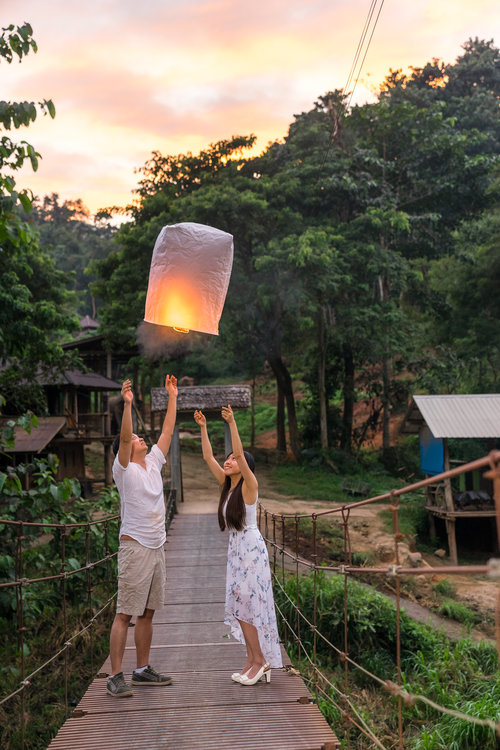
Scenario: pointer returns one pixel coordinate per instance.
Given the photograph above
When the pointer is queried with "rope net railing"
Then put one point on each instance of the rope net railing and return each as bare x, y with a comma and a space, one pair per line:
79, 582
299, 573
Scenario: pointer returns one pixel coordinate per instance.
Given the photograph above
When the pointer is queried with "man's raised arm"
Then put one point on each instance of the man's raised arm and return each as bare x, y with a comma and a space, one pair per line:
125, 449
170, 416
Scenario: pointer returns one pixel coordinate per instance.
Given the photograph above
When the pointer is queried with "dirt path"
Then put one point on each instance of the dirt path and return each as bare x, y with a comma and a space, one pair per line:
367, 533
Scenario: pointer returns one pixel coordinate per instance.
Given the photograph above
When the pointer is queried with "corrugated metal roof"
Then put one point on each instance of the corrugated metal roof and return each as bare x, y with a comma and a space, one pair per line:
461, 416
40, 436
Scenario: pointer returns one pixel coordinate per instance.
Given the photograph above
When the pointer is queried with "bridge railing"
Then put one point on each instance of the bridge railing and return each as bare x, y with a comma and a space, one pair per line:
92, 584
293, 570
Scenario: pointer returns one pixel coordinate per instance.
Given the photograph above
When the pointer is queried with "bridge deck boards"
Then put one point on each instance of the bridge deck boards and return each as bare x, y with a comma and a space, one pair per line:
203, 708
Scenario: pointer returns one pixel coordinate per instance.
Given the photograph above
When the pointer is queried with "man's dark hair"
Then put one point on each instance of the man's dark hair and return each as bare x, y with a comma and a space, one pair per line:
116, 445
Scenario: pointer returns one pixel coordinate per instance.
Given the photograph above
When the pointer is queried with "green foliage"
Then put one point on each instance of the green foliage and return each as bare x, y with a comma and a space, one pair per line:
46, 551
462, 676
16, 40
34, 306
459, 612
446, 588
67, 235
49, 501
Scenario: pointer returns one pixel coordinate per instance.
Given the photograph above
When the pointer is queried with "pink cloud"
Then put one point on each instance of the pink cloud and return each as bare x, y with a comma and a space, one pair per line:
175, 75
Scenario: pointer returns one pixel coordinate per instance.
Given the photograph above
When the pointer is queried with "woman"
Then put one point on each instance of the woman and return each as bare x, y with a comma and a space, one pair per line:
249, 606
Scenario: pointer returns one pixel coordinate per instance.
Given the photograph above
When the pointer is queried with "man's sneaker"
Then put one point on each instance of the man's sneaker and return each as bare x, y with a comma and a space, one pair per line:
150, 676
117, 687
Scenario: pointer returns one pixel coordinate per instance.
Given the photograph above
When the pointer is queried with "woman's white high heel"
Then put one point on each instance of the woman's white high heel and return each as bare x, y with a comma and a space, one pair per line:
237, 675
264, 671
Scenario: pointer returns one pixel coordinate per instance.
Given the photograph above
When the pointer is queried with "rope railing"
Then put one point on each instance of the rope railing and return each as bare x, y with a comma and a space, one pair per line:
290, 563
22, 580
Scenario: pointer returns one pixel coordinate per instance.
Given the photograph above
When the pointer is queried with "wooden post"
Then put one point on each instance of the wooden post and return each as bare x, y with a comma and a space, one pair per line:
448, 497
175, 464
108, 464
228, 444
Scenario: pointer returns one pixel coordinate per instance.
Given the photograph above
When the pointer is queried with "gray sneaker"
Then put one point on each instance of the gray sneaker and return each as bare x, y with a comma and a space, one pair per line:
117, 687
150, 676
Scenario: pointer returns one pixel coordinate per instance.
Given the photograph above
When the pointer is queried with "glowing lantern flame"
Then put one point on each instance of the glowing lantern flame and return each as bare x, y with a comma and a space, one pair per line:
189, 277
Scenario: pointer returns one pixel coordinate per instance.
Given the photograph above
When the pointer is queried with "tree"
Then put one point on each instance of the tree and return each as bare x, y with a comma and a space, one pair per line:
35, 308
73, 241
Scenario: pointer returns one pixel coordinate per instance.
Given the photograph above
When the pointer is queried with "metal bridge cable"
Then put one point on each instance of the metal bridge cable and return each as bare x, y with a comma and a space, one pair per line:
394, 689
58, 576
68, 643
342, 695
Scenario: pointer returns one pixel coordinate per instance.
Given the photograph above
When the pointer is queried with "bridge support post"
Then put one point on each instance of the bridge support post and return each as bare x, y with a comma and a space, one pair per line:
175, 464
228, 444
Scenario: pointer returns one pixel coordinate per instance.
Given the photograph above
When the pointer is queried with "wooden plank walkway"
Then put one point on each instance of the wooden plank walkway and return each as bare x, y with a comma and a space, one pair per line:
203, 708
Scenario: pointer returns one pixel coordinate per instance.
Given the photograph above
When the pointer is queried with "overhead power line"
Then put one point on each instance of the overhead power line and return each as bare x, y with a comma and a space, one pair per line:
359, 51
360, 47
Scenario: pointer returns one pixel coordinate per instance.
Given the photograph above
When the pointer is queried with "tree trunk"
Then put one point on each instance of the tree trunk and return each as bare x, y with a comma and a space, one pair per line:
323, 407
348, 415
280, 422
386, 403
284, 381
252, 415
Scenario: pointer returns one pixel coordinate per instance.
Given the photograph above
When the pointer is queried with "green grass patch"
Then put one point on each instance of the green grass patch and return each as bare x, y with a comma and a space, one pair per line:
445, 588
320, 483
459, 612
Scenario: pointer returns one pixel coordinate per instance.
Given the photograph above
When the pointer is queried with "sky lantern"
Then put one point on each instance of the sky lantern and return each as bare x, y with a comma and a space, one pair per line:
189, 277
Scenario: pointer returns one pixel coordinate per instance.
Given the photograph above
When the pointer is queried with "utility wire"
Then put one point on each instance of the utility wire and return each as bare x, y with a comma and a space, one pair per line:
360, 45
366, 50
357, 55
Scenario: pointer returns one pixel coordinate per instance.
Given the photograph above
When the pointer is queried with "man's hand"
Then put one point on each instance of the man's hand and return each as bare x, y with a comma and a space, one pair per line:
200, 418
171, 385
227, 414
127, 394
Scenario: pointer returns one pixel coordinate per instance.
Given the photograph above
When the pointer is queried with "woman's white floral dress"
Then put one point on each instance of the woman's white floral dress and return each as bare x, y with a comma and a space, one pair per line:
249, 592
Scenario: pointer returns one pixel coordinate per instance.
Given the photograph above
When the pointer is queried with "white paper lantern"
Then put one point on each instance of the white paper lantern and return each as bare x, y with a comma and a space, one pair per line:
189, 277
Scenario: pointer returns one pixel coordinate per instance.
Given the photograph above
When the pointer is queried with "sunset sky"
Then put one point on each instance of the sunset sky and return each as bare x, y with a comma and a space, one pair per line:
130, 77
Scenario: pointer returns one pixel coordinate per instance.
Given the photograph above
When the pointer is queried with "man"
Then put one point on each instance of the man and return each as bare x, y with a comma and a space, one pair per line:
141, 559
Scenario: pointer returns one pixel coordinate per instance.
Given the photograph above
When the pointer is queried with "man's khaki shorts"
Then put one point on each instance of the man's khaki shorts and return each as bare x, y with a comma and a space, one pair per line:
141, 578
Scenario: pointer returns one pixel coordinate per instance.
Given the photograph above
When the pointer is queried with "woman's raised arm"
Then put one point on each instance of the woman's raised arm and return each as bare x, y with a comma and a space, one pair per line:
206, 447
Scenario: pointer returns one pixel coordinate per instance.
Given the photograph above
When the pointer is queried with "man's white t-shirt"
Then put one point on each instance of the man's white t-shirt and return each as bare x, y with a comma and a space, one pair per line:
142, 502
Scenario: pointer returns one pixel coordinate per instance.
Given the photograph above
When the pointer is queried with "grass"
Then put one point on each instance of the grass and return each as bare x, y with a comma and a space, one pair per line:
460, 675
445, 588
320, 483
459, 612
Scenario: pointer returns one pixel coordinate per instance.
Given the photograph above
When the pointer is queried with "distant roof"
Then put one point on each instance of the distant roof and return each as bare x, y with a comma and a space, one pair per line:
208, 398
461, 416
88, 323
40, 436
84, 379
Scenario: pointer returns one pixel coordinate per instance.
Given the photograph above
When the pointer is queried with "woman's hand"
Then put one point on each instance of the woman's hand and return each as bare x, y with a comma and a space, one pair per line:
227, 414
200, 418
171, 385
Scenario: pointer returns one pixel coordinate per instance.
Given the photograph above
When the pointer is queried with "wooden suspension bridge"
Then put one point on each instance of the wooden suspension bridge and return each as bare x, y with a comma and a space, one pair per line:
203, 708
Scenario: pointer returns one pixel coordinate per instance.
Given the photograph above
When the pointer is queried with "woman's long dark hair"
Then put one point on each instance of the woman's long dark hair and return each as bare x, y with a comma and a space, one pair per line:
235, 511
